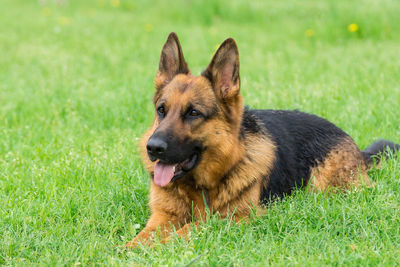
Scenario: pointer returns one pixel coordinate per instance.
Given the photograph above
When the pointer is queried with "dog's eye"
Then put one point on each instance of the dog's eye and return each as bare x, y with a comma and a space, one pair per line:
161, 111
194, 113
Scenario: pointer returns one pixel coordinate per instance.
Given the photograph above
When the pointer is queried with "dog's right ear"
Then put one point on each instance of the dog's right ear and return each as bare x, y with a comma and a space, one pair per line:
172, 61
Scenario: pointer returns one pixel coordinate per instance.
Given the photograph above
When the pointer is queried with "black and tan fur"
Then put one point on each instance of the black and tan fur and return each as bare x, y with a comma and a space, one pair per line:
245, 157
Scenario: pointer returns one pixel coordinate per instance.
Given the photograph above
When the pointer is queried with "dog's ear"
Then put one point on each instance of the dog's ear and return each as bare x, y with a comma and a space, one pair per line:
172, 61
223, 70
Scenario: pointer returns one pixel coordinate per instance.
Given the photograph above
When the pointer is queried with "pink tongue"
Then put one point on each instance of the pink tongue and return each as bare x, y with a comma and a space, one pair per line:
163, 173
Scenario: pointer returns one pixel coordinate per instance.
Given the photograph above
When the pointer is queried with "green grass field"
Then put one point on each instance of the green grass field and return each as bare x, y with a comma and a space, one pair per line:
76, 82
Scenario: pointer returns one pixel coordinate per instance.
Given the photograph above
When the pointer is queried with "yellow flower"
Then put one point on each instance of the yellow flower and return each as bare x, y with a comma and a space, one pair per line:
46, 11
64, 20
309, 33
115, 3
148, 27
352, 27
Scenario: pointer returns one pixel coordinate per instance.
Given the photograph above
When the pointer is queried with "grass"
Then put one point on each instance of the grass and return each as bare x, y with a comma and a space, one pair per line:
76, 81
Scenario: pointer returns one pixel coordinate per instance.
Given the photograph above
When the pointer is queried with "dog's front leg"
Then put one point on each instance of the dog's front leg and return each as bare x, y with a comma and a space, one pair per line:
160, 224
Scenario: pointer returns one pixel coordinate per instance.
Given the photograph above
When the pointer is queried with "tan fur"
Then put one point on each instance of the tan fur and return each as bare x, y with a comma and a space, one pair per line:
342, 167
241, 189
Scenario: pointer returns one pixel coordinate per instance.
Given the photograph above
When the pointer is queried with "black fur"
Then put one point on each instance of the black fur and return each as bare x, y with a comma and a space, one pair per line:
251, 124
301, 139
379, 147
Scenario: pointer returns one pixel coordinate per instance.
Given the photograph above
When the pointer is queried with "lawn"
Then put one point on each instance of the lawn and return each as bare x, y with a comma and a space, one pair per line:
76, 83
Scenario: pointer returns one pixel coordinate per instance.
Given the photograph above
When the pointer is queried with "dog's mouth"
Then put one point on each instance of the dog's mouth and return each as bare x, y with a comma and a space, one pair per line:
164, 173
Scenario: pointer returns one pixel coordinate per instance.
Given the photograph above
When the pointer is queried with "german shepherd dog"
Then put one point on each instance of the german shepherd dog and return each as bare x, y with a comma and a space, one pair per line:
205, 150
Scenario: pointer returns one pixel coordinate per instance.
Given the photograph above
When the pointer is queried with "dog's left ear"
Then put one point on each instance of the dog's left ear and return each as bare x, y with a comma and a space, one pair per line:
172, 61
223, 70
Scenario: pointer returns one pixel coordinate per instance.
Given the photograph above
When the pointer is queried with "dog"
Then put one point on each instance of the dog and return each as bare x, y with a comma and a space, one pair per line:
206, 151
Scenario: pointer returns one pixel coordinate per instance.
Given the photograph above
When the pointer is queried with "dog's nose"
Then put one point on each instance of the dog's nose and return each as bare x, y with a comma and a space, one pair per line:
156, 146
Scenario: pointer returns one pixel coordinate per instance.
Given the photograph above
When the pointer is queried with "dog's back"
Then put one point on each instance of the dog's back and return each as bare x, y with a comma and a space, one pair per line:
311, 150
303, 141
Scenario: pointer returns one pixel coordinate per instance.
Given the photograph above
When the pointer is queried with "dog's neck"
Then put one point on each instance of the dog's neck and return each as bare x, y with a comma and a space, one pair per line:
249, 160
223, 156
249, 171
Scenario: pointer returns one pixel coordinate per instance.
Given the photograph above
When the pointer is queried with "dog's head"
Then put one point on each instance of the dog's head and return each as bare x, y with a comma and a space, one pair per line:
197, 118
